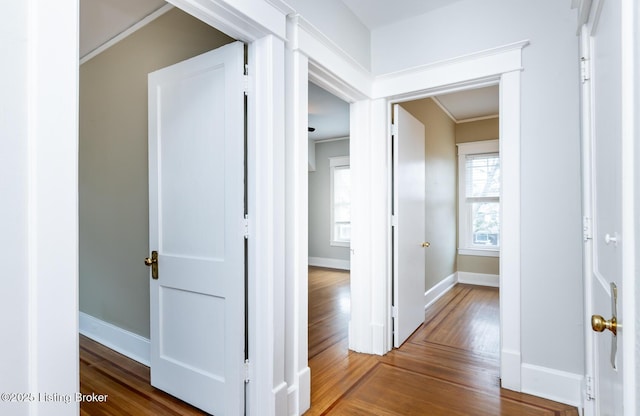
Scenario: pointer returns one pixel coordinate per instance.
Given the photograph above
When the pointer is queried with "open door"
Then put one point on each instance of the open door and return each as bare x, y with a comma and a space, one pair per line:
196, 230
409, 223
604, 193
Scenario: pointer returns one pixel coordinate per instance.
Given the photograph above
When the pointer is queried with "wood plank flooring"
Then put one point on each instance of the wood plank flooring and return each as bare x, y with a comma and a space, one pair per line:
447, 367
127, 384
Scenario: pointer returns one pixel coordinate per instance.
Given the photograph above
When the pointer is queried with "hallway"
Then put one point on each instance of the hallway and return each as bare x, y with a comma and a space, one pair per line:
447, 367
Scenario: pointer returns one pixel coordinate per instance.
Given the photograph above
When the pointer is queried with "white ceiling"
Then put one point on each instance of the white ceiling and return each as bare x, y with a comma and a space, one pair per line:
328, 114
470, 104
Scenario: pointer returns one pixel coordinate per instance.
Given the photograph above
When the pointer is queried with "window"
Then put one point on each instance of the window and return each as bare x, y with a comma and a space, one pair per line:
479, 198
340, 184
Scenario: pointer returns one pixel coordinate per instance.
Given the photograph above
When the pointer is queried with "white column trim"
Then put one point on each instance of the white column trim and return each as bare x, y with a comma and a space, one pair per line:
266, 179
297, 232
510, 313
51, 162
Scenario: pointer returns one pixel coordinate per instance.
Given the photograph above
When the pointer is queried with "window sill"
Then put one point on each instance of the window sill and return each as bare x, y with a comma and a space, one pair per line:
340, 244
479, 252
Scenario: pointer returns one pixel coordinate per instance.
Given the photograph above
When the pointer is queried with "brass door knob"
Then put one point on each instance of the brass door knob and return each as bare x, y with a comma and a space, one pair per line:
426, 244
599, 324
153, 262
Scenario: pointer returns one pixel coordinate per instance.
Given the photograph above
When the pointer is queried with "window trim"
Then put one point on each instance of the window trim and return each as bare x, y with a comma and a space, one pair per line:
464, 149
335, 162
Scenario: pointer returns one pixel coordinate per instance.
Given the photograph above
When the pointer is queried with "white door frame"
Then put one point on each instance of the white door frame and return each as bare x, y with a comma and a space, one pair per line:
370, 326
306, 47
51, 163
500, 65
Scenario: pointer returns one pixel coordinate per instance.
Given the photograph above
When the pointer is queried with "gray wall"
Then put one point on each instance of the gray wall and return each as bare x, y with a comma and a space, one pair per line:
551, 250
319, 215
440, 189
114, 232
472, 132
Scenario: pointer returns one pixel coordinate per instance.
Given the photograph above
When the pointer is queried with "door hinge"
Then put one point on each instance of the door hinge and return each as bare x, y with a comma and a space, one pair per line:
394, 312
585, 72
247, 371
245, 79
394, 129
586, 228
245, 226
589, 388
394, 221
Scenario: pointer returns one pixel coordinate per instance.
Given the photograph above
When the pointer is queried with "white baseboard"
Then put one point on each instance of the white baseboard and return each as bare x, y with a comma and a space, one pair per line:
559, 386
436, 292
330, 263
304, 391
280, 399
479, 279
127, 343
510, 370
378, 336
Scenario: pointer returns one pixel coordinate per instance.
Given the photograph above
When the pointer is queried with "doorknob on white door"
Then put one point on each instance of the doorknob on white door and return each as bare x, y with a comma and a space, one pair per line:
608, 239
426, 244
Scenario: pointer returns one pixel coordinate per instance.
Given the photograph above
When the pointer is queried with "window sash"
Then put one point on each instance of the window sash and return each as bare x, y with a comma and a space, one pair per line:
479, 183
340, 201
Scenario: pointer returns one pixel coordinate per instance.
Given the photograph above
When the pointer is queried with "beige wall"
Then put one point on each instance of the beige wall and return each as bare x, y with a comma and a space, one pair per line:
441, 191
472, 132
113, 181
478, 130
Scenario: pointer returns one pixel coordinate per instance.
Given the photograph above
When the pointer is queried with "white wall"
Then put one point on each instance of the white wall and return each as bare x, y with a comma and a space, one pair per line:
340, 25
13, 210
550, 134
319, 210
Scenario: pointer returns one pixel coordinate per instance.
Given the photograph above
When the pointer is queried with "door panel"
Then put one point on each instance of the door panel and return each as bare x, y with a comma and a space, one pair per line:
196, 211
409, 211
606, 89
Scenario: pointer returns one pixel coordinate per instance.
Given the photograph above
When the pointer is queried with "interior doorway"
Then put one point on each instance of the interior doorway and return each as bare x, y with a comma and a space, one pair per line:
114, 221
462, 198
461, 234
329, 201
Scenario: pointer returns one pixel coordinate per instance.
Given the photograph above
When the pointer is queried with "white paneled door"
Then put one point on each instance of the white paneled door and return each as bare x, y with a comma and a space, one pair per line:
608, 234
409, 222
196, 219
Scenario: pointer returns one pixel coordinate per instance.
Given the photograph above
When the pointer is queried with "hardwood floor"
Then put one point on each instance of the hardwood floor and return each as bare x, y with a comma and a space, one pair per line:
127, 384
449, 366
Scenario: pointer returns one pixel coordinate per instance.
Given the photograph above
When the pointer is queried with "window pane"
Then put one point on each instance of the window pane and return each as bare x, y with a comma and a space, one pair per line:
342, 232
342, 194
341, 203
483, 175
485, 224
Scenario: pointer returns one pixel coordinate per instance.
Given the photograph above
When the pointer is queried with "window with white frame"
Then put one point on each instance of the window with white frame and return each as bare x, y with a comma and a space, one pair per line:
479, 198
340, 196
